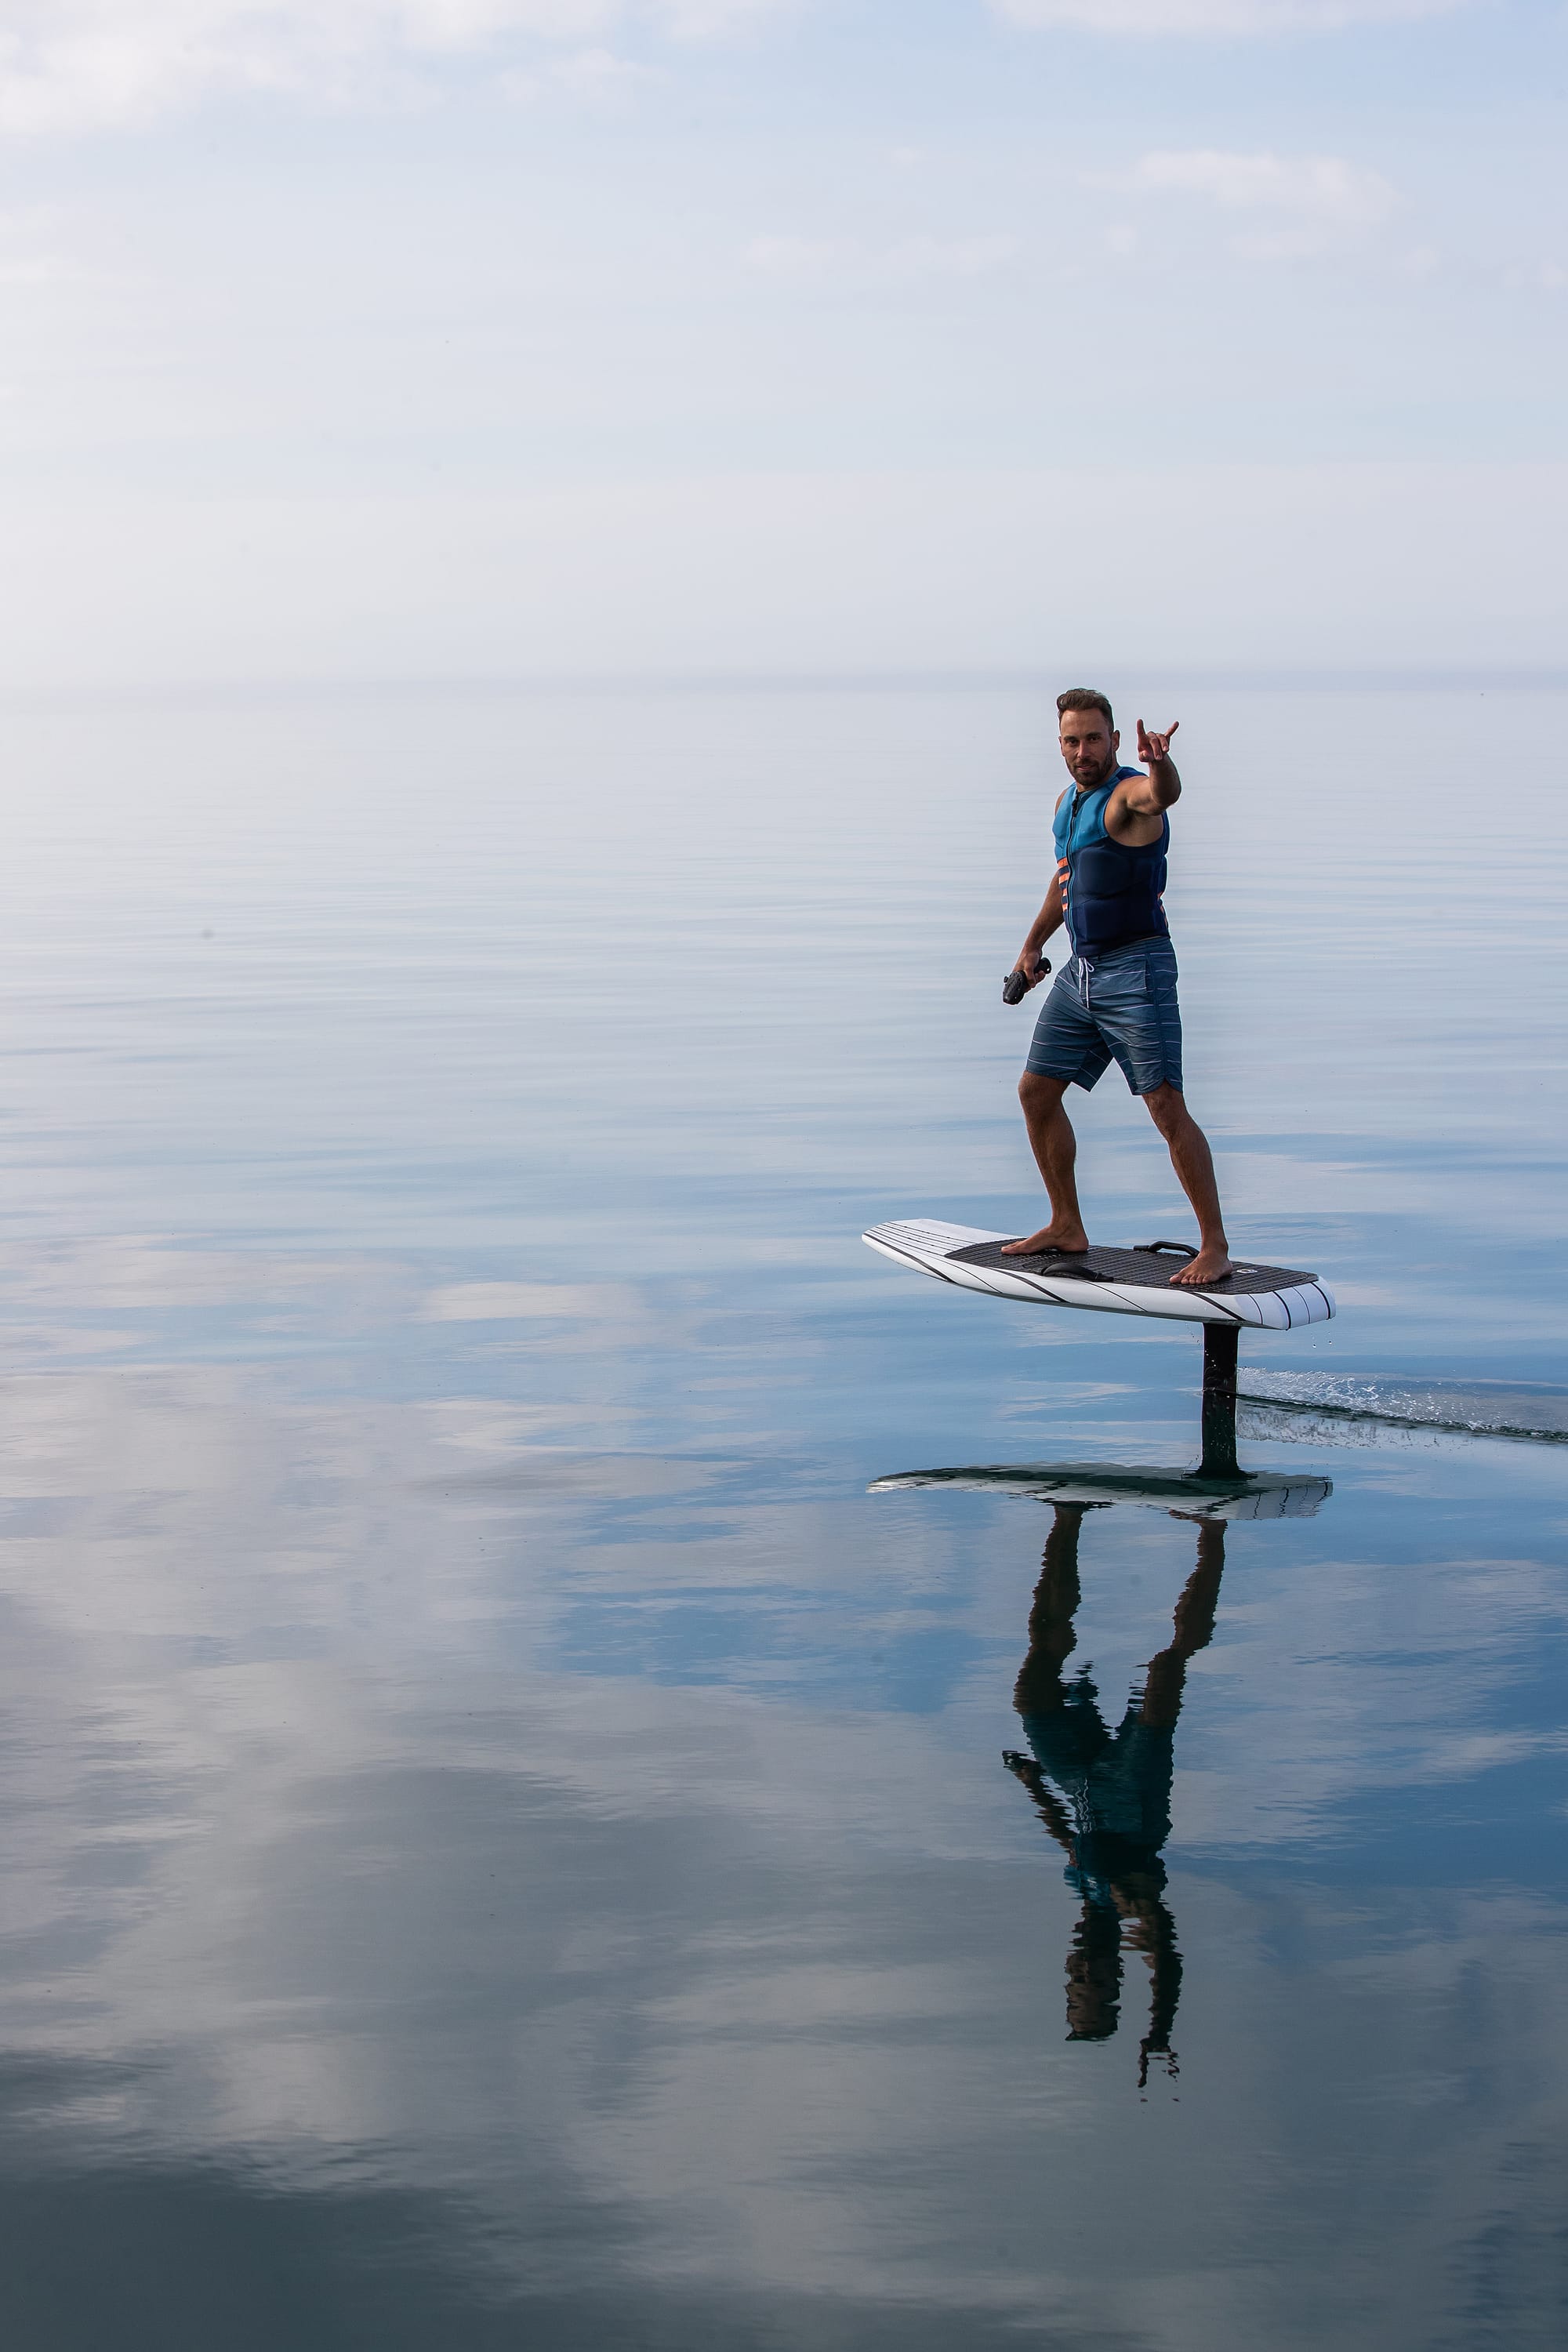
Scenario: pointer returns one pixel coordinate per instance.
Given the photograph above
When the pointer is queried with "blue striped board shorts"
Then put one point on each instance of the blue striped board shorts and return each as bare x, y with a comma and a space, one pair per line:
1121, 1004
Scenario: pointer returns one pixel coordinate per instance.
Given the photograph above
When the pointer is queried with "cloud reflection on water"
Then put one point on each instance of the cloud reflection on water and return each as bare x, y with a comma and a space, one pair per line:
336, 1908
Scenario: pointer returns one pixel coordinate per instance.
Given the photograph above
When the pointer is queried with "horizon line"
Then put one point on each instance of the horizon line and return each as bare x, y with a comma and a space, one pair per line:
1470, 677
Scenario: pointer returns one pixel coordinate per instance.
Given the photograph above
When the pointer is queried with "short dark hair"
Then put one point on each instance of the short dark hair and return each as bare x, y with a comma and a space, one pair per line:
1085, 698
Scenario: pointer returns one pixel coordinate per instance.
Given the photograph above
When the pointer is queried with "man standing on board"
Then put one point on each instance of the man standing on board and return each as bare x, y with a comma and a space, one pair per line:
1118, 994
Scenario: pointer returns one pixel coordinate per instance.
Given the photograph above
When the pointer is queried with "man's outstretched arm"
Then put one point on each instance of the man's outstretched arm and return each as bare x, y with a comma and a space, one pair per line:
1152, 795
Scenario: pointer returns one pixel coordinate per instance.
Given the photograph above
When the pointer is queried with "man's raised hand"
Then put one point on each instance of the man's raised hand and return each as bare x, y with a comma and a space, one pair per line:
1152, 749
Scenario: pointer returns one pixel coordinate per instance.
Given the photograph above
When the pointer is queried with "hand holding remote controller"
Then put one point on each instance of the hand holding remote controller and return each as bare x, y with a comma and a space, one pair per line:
1019, 982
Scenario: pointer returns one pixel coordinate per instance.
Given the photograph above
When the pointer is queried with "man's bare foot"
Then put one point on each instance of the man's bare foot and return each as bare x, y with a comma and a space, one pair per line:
1071, 1238
1209, 1265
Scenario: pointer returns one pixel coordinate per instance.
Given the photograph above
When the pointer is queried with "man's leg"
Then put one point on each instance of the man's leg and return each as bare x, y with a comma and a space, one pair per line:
1193, 1163
1054, 1148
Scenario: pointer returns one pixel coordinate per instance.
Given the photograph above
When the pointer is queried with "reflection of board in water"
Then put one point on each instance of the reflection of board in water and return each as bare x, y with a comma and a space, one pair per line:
1240, 1498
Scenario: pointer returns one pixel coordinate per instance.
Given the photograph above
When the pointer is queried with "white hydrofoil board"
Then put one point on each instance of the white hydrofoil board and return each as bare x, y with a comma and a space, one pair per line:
1106, 1281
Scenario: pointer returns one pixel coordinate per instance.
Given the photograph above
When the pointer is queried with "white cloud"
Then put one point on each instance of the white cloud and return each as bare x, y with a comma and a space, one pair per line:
598, 77
1317, 187
72, 64
1200, 17
1549, 276
906, 261
24, 260
1315, 200
710, 20
75, 65
793, 257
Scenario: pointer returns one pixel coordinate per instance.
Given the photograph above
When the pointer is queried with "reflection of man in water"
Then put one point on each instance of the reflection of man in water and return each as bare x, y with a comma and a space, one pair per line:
1112, 1814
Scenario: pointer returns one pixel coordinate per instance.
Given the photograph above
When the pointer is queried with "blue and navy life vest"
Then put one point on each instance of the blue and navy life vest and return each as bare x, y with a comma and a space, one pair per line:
1111, 894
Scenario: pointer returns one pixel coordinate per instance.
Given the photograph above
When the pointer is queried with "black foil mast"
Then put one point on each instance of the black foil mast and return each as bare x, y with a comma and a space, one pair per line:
1220, 1349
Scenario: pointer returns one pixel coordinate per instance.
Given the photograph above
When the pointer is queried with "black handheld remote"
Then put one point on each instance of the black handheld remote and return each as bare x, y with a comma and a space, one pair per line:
1017, 986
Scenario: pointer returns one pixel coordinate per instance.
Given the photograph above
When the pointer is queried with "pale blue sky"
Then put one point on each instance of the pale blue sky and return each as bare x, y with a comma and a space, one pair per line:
497, 336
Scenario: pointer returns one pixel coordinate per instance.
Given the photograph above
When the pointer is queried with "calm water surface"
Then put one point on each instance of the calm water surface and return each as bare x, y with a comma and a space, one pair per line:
507, 1838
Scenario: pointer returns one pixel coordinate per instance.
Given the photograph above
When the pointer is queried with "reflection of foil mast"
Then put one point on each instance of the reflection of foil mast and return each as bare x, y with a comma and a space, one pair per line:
1111, 1482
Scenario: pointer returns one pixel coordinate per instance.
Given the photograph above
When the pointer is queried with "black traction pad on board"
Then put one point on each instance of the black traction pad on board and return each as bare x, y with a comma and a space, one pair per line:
1145, 1269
